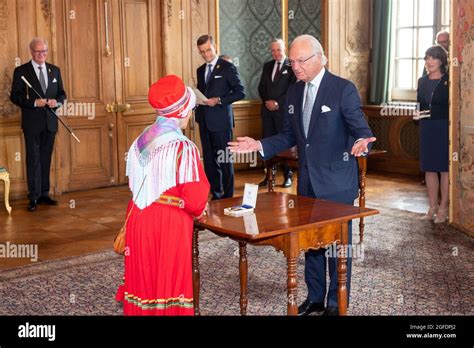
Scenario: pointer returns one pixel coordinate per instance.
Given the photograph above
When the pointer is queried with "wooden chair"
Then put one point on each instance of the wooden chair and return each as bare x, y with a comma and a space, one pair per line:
5, 176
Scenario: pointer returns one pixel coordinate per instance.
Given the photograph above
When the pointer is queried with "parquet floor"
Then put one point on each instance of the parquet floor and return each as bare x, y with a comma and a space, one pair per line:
86, 222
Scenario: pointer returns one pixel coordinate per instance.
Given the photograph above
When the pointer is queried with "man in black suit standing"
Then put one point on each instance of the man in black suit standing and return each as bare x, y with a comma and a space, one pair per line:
219, 81
277, 76
39, 125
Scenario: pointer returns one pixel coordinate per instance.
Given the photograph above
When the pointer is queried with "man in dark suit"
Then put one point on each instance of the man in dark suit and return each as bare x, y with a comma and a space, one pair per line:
277, 76
323, 118
219, 81
38, 123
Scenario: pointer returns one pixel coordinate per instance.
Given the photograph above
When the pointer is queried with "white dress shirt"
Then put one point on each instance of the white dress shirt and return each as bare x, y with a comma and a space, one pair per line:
213, 65
315, 82
275, 67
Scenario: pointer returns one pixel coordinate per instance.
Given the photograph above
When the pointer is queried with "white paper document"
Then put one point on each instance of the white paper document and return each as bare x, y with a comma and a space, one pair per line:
200, 98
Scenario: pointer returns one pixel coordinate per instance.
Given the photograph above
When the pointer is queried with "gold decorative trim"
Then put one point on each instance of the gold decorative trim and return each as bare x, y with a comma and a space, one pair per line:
284, 22
357, 72
218, 33
197, 16
169, 9
8, 109
46, 9
320, 245
3, 20
356, 41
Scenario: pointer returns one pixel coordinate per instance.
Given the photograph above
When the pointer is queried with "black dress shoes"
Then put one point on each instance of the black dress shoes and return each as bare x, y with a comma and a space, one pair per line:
47, 201
32, 205
308, 307
287, 183
331, 312
263, 183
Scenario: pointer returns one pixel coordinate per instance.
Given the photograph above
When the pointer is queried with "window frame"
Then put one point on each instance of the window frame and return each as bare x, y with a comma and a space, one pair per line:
397, 93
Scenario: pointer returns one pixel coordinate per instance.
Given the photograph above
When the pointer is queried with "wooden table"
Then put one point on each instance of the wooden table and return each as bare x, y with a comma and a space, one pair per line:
290, 157
290, 224
5, 176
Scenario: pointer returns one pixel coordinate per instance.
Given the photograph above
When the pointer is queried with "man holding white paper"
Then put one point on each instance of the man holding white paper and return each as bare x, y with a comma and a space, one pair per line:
219, 82
201, 99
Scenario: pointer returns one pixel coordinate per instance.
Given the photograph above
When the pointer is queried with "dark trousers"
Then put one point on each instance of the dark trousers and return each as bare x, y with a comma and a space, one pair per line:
316, 264
272, 124
39, 149
217, 161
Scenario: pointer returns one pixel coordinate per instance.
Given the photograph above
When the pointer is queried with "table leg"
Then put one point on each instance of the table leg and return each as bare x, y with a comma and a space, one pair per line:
292, 286
196, 275
361, 230
342, 270
271, 183
362, 173
7, 194
243, 271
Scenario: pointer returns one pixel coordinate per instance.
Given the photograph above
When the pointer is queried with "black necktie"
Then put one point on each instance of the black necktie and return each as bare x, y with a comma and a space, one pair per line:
277, 72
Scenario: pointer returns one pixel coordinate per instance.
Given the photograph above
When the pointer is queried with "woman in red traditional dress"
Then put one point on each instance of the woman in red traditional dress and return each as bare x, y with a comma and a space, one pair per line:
170, 189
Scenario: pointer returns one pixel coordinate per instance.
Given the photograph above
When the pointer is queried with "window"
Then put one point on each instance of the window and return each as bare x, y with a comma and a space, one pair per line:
415, 24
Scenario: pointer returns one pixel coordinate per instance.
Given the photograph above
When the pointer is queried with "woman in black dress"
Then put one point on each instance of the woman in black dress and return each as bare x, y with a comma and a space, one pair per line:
433, 95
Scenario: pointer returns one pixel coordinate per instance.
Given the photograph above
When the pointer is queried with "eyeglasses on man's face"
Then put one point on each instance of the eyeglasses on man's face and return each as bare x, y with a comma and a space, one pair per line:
292, 62
40, 52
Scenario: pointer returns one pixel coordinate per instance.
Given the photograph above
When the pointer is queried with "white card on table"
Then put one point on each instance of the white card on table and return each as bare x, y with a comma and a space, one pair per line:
250, 195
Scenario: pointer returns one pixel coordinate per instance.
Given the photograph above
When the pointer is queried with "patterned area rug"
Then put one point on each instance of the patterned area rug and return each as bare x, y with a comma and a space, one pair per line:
406, 267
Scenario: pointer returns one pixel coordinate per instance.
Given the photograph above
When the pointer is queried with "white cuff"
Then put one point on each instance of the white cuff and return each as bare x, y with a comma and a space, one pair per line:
261, 151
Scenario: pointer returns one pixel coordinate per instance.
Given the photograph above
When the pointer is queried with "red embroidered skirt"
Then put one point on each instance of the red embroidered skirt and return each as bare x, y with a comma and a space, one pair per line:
158, 262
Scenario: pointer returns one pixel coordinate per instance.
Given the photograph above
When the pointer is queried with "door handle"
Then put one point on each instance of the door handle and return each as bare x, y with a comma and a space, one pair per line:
123, 107
114, 107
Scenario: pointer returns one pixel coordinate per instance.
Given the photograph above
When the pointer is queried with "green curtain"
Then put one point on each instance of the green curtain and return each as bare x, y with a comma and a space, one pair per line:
381, 51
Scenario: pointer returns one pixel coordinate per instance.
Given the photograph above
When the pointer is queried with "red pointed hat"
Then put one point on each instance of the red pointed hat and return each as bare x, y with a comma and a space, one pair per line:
170, 97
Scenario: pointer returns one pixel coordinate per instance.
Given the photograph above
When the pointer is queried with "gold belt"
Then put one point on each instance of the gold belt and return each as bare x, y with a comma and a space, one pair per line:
171, 200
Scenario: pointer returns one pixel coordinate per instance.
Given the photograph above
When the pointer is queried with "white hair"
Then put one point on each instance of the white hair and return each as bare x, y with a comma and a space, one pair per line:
37, 40
278, 41
316, 46
442, 32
